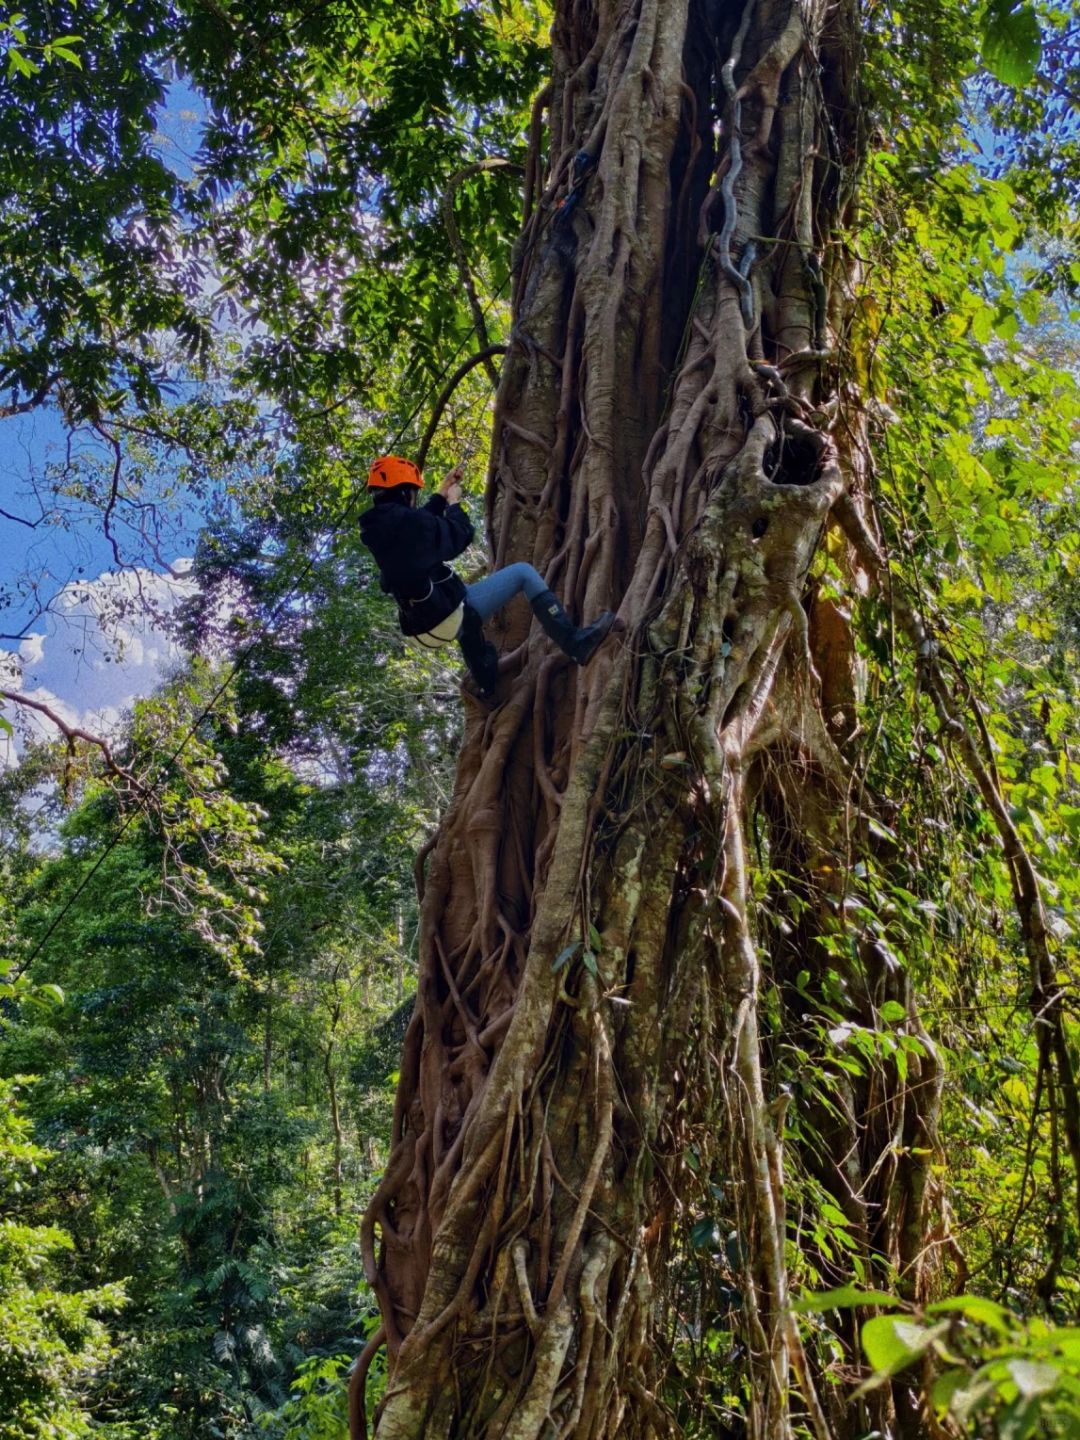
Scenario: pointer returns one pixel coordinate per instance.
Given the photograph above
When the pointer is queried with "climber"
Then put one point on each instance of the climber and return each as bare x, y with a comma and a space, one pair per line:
435, 607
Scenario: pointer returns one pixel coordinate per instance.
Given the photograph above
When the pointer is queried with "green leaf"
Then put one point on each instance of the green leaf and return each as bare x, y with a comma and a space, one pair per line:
6, 727
844, 1298
892, 1344
966, 1399
945, 1387
565, 955
1018, 1420
588, 959
977, 1308
594, 938
1031, 306
59, 51
704, 1234
892, 1010
1032, 1378
1006, 325
881, 831
982, 324
1011, 42
18, 64
1067, 1343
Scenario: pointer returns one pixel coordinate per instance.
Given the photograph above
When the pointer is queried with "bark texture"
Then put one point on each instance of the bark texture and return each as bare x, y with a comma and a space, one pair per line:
674, 438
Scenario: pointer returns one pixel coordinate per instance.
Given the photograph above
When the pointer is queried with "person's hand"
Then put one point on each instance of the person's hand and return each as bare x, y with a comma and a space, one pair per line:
450, 489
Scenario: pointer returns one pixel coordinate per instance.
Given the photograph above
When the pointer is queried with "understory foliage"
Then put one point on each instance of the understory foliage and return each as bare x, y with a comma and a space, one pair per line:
212, 1112
52, 1340
727, 987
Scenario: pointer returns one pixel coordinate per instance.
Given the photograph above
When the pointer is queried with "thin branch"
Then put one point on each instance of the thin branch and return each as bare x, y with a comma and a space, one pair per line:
21, 407
491, 162
482, 357
72, 733
20, 519
114, 489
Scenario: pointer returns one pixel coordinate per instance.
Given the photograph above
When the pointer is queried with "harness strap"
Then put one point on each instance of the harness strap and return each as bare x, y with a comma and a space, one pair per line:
423, 599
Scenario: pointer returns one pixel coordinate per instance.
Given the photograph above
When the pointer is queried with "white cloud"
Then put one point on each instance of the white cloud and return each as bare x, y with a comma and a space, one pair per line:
30, 651
105, 644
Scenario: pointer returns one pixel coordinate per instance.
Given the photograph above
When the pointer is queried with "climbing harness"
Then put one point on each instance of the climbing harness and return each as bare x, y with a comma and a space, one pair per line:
563, 209
445, 633
437, 633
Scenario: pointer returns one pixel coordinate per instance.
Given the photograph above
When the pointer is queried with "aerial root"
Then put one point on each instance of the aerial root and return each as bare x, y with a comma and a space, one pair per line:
532, 1319
802, 635
358, 1385
598, 1259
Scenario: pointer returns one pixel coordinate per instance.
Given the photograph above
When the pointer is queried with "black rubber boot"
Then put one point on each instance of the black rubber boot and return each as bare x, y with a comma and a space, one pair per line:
579, 642
480, 655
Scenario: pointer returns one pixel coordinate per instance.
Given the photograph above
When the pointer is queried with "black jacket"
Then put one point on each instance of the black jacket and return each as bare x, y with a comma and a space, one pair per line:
411, 548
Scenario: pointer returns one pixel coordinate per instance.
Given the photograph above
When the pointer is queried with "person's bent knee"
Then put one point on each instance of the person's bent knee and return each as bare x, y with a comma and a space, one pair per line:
532, 582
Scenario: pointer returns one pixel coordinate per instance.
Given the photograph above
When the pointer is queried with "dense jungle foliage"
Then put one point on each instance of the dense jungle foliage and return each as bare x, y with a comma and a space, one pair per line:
209, 923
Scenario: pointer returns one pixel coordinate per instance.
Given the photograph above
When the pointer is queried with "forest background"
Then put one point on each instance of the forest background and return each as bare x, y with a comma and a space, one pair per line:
208, 905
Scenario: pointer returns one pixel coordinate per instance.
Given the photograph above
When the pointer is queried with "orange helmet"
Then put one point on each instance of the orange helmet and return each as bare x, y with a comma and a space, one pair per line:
389, 471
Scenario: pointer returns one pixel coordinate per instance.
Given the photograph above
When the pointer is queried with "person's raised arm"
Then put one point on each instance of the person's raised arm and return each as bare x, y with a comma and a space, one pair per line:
450, 489
454, 529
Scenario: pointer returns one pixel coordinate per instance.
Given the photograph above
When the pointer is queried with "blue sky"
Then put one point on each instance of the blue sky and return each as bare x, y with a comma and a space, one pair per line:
31, 444
52, 544
90, 654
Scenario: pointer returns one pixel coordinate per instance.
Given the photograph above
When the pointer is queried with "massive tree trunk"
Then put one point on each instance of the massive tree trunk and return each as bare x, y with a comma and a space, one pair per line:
630, 845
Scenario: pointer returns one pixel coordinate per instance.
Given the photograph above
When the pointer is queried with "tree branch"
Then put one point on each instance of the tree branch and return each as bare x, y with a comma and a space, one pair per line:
19, 519
21, 407
482, 357
490, 162
358, 1385
114, 489
72, 733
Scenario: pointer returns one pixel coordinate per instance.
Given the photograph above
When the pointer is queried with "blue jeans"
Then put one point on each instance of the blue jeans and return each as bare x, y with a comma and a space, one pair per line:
495, 591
